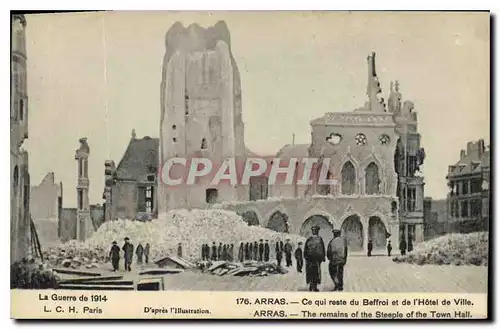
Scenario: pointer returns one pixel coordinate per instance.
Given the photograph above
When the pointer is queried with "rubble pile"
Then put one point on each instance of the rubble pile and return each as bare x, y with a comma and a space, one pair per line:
191, 228
76, 255
250, 268
451, 249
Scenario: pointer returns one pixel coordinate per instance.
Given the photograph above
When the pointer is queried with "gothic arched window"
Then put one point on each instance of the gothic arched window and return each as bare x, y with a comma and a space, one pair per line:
348, 179
372, 180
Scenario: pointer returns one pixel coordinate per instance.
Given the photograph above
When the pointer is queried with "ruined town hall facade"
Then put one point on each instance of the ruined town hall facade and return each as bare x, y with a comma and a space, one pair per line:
374, 152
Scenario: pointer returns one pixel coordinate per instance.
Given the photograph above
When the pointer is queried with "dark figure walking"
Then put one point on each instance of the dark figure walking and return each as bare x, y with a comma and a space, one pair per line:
279, 255
314, 254
267, 251
261, 250
299, 258
128, 251
203, 252
402, 246
337, 255
241, 253
146, 253
370, 248
288, 253
255, 251
389, 248
114, 254
219, 251
214, 251
410, 245
247, 251
139, 251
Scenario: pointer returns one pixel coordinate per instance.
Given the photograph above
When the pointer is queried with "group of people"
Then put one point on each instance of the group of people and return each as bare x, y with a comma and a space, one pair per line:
142, 252
315, 253
217, 252
403, 247
258, 251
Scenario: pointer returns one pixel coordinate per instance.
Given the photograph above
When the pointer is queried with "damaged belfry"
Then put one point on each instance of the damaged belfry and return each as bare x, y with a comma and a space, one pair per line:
84, 226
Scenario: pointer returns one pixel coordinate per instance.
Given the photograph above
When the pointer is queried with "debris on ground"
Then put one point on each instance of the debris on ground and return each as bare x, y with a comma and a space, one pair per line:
451, 249
191, 228
223, 268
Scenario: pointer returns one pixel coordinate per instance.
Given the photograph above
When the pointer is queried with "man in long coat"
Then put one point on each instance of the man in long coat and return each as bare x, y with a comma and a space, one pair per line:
255, 251
267, 251
247, 251
128, 251
214, 251
314, 254
114, 254
261, 250
241, 253
337, 255
288, 253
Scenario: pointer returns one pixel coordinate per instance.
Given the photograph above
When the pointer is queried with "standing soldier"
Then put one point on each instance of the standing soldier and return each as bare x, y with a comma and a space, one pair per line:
279, 255
255, 251
203, 252
219, 251
288, 253
261, 250
250, 251
128, 251
231, 252
267, 250
246, 251
402, 246
139, 251
214, 251
241, 253
146, 253
114, 254
314, 254
410, 244
389, 248
337, 255
179, 250
370, 248
299, 258
224, 252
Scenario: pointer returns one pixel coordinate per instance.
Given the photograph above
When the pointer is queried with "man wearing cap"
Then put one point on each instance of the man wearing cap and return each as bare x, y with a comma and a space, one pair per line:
337, 255
114, 254
128, 250
314, 254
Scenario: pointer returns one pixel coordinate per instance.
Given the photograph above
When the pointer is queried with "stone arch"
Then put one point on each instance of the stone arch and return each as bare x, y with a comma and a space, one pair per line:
278, 221
377, 232
251, 215
317, 210
324, 224
372, 158
352, 229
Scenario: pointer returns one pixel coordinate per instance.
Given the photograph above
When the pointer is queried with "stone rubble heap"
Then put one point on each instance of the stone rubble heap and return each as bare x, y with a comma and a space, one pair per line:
450, 249
191, 228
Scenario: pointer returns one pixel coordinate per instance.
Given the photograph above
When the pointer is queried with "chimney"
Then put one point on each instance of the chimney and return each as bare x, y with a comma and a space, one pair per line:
481, 148
462, 154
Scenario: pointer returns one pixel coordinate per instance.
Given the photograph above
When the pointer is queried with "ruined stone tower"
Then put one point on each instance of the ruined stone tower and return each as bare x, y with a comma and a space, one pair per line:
84, 227
201, 113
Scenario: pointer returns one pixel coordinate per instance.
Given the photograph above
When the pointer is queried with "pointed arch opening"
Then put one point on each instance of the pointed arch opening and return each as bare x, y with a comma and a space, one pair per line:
377, 232
348, 178
325, 227
372, 179
278, 222
352, 229
251, 218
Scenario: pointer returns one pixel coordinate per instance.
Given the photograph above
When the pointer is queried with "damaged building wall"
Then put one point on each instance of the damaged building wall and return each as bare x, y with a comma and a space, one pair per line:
44, 198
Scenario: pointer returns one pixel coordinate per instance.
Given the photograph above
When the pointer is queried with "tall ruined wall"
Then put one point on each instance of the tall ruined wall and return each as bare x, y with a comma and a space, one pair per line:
201, 112
44, 198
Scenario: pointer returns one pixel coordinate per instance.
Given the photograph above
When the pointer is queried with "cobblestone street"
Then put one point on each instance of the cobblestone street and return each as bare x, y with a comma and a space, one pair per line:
362, 274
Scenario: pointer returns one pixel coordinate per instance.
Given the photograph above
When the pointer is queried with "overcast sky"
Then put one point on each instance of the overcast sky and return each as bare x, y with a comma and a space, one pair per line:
98, 75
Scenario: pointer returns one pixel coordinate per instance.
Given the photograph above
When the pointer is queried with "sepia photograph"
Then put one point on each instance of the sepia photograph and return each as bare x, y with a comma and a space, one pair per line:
270, 152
